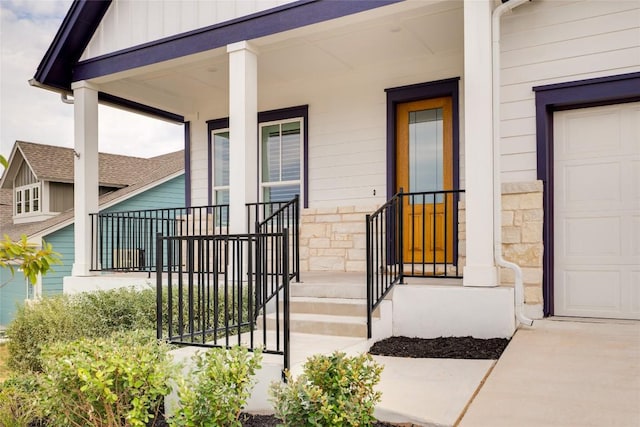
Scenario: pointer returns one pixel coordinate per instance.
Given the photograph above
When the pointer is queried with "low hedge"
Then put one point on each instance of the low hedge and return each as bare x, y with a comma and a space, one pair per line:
66, 318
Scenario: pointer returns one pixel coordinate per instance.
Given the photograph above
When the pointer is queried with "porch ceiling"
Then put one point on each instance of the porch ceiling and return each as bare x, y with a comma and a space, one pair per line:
402, 31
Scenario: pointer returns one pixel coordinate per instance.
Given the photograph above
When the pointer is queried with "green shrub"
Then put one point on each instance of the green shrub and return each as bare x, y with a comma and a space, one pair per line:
218, 388
124, 309
333, 390
65, 318
116, 381
20, 403
50, 320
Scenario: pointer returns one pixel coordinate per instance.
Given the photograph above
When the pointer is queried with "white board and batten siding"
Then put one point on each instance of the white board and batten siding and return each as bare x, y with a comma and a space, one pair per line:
597, 211
129, 23
553, 41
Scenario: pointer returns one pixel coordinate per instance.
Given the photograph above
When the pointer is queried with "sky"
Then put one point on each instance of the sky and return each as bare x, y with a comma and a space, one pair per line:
27, 28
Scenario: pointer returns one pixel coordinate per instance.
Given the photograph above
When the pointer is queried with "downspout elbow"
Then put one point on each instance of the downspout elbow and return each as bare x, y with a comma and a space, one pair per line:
65, 98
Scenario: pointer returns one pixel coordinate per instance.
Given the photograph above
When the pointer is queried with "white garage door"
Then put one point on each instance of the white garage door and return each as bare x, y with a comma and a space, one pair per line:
597, 212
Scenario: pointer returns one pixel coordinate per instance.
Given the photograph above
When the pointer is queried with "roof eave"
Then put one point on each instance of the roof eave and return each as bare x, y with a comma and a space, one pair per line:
73, 36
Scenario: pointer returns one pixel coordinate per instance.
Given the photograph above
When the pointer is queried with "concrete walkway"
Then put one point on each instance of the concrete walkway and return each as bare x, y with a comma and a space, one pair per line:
564, 373
557, 373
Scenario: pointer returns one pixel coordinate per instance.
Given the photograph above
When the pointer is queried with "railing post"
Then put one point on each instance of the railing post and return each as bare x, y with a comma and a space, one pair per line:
400, 238
159, 286
296, 237
369, 275
285, 278
93, 265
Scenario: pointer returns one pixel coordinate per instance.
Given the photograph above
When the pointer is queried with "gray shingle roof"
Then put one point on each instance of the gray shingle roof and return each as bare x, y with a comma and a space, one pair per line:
134, 172
115, 170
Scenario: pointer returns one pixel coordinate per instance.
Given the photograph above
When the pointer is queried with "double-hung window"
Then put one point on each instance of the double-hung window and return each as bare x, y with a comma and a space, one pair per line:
27, 199
282, 145
280, 153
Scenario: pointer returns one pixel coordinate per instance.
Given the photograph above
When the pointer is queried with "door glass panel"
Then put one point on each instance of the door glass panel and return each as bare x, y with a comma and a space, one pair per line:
426, 157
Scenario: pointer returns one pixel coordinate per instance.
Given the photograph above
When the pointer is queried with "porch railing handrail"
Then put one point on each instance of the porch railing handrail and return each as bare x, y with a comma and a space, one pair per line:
125, 240
285, 216
213, 297
386, 232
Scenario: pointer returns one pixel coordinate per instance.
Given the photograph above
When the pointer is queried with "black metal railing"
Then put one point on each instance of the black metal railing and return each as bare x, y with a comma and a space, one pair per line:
266, 217
209, 303
125, 240
411, 235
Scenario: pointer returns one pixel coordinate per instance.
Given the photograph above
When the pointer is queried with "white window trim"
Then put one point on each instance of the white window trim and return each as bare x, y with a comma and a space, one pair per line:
33, 292
299, 181
23, 200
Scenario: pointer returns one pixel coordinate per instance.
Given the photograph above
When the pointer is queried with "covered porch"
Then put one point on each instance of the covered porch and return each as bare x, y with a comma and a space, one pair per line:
314, 109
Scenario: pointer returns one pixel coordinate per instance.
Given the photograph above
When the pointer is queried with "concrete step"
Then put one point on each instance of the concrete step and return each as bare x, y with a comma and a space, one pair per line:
322, 324
330, 306
329, 290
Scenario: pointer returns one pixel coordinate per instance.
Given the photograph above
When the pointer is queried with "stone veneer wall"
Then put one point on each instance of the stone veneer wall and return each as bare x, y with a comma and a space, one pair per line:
522, 216
334, 239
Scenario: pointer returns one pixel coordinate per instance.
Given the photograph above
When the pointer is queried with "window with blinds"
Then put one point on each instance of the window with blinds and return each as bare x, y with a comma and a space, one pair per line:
280, 151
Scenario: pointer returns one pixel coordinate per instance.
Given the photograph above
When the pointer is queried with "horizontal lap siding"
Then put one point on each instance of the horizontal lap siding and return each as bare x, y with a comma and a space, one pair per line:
132, 22
12, 293
347, 127
62, 242
545, 42
169, 194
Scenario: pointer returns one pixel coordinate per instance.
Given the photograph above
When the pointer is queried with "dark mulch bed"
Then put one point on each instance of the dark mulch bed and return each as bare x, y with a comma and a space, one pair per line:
441, 348
249, 420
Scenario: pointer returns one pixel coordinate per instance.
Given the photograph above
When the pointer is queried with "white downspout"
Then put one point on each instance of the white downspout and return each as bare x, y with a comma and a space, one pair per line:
497, 190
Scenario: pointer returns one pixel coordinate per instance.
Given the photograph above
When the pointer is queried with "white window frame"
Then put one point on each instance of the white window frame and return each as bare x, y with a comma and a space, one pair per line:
215, 188
21, 201
299, 181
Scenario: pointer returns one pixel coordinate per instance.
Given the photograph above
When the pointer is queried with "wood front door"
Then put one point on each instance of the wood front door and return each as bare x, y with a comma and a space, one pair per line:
424, 153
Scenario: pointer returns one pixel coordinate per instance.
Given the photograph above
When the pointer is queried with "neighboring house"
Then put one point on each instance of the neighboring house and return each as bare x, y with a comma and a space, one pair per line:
36, 200
346, 103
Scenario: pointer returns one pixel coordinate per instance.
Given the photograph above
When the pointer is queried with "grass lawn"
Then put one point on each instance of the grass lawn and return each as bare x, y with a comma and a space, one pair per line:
4, 355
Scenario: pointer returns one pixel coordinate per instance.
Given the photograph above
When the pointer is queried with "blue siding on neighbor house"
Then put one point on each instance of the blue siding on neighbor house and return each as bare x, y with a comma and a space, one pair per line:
62, 242
166, 195
11, 294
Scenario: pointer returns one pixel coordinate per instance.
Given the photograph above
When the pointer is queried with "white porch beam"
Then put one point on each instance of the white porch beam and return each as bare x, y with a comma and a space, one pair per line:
85, 117
480, 269
243, 136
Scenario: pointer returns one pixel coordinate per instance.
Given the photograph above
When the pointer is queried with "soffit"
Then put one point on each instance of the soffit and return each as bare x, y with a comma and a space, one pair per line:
405, 30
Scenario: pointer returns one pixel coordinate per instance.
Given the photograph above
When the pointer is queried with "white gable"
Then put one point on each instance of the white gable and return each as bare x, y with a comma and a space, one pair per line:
129, 23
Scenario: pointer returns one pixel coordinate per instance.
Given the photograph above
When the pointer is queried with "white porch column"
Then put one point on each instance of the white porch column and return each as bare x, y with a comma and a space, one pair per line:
85, 116
480, 269
243, 132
